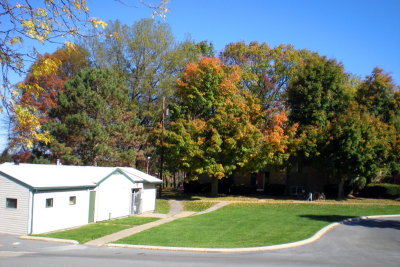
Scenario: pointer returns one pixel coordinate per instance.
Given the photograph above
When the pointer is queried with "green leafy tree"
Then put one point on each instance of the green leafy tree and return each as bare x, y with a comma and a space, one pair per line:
380, 96
345, 138
358, 145
317, 94
94, 121
377, 94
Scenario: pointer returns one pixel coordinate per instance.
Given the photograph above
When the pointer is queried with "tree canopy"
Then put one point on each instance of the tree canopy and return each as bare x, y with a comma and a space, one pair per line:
94, 121
216, 128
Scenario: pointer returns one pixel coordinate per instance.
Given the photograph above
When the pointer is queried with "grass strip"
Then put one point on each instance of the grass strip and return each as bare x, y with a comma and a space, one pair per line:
90, 232
162, 206
248, 225
197, 205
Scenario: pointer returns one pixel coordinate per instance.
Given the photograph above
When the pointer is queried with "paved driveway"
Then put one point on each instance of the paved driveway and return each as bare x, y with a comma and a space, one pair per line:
367, 243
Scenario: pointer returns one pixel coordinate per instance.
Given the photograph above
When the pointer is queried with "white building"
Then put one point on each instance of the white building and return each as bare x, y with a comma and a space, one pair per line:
39, 198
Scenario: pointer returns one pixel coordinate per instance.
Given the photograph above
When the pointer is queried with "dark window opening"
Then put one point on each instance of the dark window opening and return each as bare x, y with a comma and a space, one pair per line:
11, 203
49, 202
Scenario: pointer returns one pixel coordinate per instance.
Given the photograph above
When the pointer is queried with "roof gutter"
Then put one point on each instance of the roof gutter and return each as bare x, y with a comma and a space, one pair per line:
62, 188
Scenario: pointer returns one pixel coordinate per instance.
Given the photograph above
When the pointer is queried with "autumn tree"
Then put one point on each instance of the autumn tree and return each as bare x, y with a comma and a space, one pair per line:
214, 128
266, 70
38, 94
42, 21
94, 121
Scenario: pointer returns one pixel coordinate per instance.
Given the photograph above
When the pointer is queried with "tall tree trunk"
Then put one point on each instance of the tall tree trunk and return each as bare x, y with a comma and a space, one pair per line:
214, 187
340, 188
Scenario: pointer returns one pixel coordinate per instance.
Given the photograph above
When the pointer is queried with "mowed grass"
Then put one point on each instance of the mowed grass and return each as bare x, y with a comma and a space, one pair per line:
248, 225
93, 231
197, 205
162, 206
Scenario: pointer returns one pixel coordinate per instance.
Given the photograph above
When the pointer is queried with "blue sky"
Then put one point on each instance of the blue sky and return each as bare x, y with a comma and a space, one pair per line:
362, 34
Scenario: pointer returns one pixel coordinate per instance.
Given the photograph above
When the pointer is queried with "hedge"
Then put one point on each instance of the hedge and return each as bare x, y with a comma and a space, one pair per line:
391, 191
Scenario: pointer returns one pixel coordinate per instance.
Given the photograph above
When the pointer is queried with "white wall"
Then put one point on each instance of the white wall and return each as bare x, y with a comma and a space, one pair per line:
62, 215
114, 197
149, 197
14, 221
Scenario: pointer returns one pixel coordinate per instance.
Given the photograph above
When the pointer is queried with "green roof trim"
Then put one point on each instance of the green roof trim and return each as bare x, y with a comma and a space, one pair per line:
127, 177
114, 172
39, 189
16, 180
62, 188
144, 180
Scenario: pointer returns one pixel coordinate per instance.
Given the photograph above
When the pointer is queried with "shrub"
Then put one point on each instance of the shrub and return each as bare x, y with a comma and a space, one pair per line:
358, 184
391, 191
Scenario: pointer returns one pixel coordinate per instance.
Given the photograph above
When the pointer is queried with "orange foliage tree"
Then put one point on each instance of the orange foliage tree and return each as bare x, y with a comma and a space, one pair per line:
216, 128
38, 94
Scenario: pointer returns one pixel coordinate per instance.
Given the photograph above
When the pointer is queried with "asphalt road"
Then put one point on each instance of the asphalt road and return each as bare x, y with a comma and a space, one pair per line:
374, 242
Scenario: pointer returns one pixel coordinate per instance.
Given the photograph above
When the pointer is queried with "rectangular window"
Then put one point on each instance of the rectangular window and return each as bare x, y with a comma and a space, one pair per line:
49, 202
11, 203
72, 200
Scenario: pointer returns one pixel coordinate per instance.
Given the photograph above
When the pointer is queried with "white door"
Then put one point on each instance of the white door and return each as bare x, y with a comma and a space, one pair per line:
136, 201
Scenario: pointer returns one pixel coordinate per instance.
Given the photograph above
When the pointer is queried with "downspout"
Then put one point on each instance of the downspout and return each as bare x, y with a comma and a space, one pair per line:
33, 202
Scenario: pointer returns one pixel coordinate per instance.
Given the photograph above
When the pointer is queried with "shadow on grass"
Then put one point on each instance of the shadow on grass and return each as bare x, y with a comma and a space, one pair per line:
181, 195
371, 223
178, 195
326, 218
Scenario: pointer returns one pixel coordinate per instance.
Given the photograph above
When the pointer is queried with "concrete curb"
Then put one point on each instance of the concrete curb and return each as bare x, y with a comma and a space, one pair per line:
312, 239
49, 239
307, 241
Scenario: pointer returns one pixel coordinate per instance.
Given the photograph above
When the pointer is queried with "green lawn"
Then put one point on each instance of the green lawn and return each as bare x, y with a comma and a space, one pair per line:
197, 205
93, 231
162, 206
247, 225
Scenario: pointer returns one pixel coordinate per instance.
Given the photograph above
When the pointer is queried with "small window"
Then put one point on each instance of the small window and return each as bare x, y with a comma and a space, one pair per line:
49, 202
11, 203
72, 200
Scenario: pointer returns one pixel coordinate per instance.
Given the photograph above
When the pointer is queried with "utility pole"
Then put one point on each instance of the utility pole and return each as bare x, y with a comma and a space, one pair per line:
162, 146
148, 165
